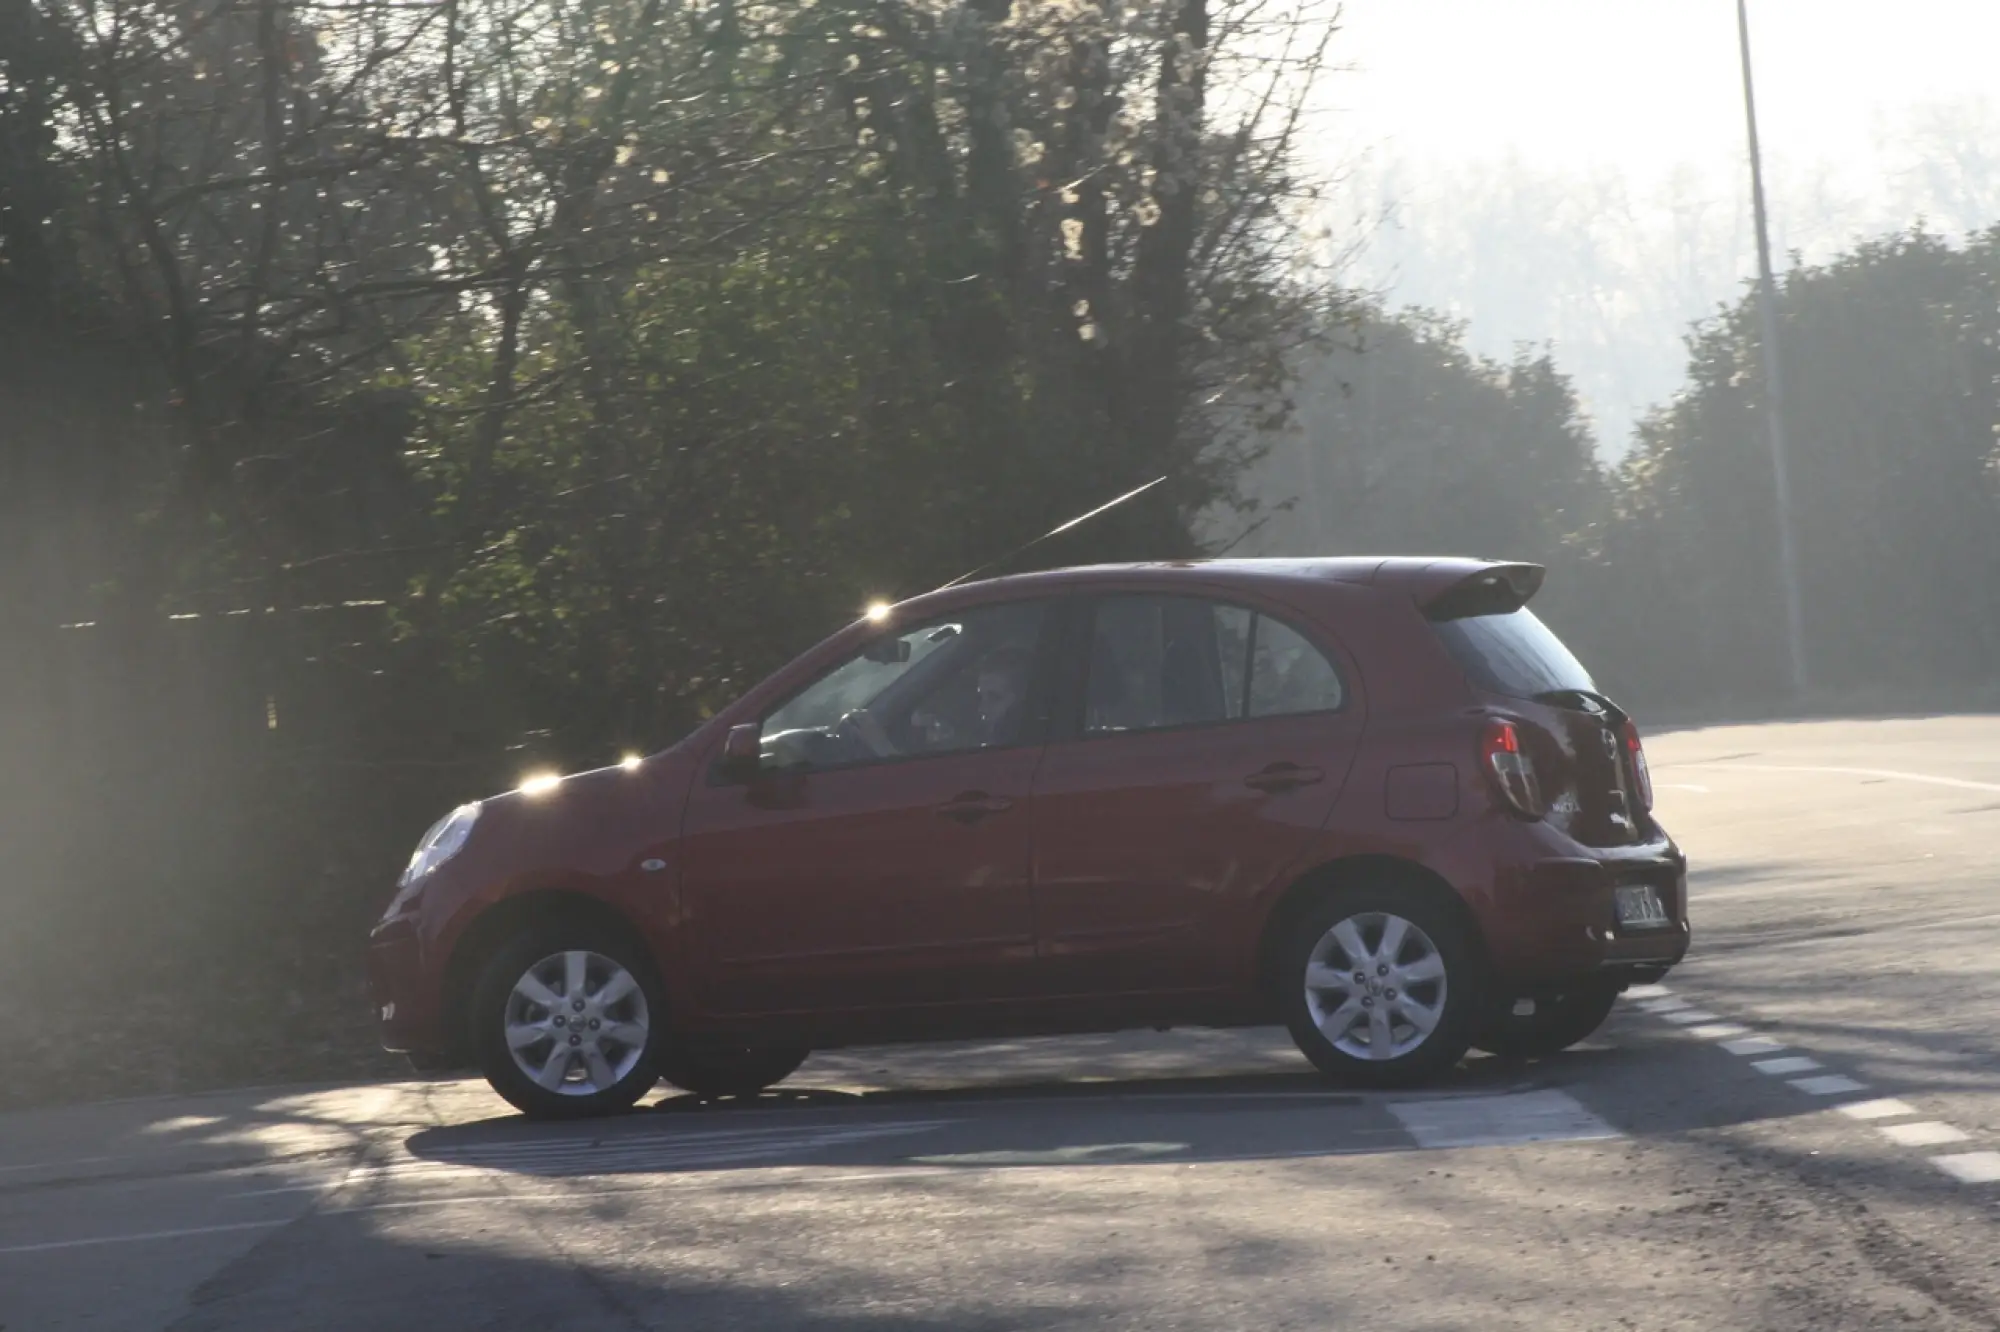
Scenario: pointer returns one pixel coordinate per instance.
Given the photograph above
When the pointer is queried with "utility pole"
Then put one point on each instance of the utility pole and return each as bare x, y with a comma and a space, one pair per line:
1774, 396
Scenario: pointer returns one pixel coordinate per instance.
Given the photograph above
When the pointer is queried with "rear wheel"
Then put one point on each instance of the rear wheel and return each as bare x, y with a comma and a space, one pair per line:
1380, 986
566, 1018
730, 1070
1550, 1022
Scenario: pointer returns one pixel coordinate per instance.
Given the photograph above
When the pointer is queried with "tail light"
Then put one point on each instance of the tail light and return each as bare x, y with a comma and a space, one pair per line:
1642, 776
1513, 772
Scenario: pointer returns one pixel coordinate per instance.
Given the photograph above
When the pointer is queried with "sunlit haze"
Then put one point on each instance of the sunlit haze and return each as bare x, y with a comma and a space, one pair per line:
1867, 112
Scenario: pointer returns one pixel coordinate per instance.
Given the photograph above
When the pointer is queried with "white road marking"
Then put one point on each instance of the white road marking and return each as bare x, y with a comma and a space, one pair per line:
647, 1153
1890, 774
1718, 1031
1886, 1108
289, 1188
1083, 1154
1500, 1121
1689, 1017
1666, 1005
57, 1165
49, 1245
1648, 992
1789, 1064
787, 1135
1833, 1084
1970, 1167
1753, 1045
1929, 1133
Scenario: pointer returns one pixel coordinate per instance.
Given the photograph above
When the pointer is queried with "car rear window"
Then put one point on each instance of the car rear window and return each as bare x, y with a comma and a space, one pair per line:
1513, 654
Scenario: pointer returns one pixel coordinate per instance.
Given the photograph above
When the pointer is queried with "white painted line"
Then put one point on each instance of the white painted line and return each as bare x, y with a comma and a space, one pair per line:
1970, 1167
1691, 1016
784, 1137
293, 1188
57, 1165
1833, 1084
1886, 1108
1753, 1045
1959, 783
1717, 1031
1648, 992
503, 1148
1929, 1133
1499, 1121
1666, 1005
46, 1246
642, 1155
1789, 1064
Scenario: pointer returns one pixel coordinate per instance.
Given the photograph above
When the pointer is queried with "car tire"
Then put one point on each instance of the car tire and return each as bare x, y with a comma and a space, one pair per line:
729, 1070
1378, 964
1558, 1022
526, 999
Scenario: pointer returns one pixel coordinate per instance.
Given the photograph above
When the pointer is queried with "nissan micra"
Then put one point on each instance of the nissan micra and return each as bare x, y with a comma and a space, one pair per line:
1376, 800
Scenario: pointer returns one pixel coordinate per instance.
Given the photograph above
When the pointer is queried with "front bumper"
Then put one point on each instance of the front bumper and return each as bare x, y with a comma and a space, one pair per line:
396, 982
1551, 916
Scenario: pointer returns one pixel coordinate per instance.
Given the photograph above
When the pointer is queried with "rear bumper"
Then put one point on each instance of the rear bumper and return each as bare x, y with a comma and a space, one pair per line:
1550, 915
405, 1004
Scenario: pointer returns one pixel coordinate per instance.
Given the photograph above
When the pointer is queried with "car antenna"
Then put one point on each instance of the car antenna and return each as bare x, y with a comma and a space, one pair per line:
1077, 521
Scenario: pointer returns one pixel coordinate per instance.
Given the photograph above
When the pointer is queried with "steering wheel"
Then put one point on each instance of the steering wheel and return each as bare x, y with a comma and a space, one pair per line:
852, 729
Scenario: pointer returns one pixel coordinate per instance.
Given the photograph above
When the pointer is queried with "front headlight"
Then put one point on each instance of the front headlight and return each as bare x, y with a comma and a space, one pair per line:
440, 844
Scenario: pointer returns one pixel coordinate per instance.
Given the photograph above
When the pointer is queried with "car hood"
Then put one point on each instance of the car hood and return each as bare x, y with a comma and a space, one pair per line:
593, 824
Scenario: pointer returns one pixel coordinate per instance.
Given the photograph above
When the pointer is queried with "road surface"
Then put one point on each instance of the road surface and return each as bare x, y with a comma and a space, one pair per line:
1800, 1131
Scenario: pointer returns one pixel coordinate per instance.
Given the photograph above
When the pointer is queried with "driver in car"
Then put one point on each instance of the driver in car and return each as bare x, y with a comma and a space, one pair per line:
1001, 682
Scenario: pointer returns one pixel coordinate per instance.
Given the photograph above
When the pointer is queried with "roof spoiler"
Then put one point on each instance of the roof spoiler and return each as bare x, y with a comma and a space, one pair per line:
1497, 589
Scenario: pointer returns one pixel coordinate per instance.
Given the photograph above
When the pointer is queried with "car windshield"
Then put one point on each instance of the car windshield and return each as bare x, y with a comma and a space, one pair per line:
1513, 654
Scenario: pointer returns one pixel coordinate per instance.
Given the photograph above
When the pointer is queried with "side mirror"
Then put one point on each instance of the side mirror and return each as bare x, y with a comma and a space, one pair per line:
742, 752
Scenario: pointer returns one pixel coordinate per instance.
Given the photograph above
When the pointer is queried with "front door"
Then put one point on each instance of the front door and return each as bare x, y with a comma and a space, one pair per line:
881, 859
1211, 744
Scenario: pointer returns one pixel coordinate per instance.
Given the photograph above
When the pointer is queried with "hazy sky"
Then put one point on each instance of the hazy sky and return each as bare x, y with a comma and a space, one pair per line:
1644, 97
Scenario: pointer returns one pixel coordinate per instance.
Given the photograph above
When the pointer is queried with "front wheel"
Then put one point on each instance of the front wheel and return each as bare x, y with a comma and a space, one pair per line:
566, 1022
1550, 1022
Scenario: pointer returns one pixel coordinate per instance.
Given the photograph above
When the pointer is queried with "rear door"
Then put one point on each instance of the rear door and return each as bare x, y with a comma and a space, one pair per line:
1205, 744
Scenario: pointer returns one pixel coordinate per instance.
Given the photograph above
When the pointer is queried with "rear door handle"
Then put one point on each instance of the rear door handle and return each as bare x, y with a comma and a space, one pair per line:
1283, 777
972, 806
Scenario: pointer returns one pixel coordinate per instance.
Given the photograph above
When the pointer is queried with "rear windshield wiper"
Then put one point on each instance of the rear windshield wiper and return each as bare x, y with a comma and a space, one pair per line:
1595, 701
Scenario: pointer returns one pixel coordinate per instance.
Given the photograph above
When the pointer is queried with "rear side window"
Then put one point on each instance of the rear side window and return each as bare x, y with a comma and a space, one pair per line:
1158, 662
1514, 654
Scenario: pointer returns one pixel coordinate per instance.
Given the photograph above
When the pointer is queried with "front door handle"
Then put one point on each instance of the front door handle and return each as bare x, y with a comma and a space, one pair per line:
972, 806
1283, 777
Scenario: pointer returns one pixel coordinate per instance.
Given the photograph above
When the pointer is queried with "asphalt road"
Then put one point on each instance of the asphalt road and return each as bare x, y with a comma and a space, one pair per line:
1801, 1131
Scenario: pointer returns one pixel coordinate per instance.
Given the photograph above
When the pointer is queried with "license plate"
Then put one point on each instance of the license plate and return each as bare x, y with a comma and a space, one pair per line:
1639, 907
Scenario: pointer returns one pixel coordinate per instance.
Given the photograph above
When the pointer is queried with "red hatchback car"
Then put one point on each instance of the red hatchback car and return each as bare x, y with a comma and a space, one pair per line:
1374, 799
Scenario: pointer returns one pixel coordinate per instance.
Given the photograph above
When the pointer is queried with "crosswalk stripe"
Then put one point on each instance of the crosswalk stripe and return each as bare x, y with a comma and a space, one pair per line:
1499, 1121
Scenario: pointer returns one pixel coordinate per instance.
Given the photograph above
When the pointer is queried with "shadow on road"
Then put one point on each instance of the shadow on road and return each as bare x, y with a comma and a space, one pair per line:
1648, 1083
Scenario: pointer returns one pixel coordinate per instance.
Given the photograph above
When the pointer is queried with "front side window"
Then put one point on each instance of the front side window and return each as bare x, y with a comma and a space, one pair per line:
946, 686
1158, 662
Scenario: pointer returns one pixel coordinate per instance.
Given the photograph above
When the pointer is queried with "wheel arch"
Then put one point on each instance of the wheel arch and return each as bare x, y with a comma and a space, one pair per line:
1332, 875
490, 931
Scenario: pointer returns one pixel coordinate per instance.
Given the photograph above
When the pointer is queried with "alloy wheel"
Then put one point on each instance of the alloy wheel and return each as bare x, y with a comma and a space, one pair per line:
577, 1023
1375, 986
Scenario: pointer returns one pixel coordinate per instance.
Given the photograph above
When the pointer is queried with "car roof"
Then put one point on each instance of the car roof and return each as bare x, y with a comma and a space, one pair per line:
1420, 577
